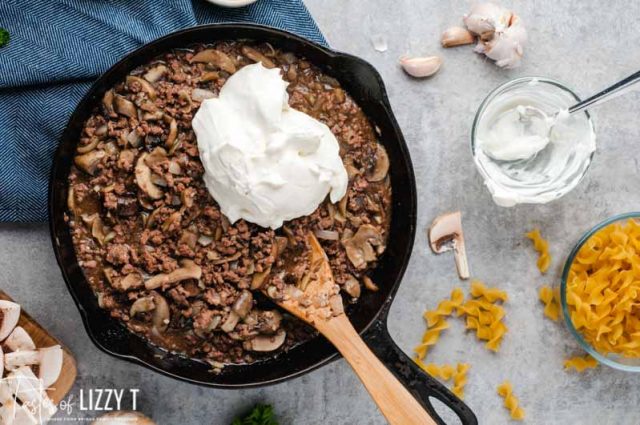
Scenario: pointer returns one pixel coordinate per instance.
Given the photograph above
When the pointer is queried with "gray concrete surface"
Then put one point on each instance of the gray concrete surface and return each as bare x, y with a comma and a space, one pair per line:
583, 43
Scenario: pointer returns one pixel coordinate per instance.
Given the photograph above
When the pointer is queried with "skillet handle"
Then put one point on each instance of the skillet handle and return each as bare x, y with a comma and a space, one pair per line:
418, 382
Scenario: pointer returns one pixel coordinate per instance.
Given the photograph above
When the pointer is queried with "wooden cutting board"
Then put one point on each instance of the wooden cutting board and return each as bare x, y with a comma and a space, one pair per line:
42, 338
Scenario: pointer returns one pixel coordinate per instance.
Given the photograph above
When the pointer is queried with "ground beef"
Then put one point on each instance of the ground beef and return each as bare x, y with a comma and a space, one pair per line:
146, 228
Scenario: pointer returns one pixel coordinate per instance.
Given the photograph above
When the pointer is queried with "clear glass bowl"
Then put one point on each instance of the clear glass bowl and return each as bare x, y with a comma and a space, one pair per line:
501, 177
614, 360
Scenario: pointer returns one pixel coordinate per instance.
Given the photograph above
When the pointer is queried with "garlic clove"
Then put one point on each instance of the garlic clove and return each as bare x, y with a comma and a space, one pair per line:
485, 19
456, 36
420, 67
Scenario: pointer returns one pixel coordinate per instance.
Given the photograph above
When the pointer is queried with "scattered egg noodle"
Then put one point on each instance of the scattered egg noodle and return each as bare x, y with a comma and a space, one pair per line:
430, 338
436, 322
550, 297
505, 390
446, 372
542, 246
479, 290
484, 315
580, 363
460, 379
603, 290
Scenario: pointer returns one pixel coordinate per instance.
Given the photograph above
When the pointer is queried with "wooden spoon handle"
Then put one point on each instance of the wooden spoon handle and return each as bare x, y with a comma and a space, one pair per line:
395, 402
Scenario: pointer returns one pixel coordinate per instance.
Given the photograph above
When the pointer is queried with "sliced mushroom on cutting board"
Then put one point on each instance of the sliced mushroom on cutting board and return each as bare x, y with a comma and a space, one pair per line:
10, 315
19, 339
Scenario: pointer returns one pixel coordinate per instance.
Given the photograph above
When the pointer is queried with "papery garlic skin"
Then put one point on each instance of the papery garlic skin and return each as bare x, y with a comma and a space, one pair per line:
421, 67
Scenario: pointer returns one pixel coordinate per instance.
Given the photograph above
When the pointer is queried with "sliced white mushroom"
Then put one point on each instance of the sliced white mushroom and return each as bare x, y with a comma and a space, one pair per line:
123, 418
17, 359
12, 413
446, 234
10, 315
265, 343
142, 305
51, 359
29, 389
20, 340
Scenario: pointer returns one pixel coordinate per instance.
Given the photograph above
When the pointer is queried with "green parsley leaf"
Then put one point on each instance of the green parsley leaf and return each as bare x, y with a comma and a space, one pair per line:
262, 414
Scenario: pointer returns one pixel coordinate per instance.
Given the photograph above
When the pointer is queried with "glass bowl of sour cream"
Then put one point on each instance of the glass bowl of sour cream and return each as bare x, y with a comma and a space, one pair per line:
526, 146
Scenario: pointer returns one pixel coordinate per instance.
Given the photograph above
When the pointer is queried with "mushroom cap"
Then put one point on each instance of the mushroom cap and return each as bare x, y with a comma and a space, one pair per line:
50, 365
10, 316
266, 343
445, 230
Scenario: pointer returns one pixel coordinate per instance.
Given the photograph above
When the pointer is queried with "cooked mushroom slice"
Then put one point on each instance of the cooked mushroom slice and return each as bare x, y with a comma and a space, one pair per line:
19, 340
10, 313
125, 107
173, 131
216, 58
144, 85
359, 247
142, 305
352, 287
231, 322
89, 146
123, 417
256, 56
133, 280
259, 278
266, 343
243, 304
154, 74
368, 283
201, 94
445, 234
161, 314
143, 179
107, 102
89, 161
188, 270
381, 169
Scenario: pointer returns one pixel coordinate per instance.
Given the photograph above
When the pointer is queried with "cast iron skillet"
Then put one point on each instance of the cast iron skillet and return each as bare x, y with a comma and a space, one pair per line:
369, 315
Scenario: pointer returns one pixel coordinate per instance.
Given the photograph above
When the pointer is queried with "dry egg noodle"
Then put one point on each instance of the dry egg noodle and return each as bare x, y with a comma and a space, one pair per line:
603, 290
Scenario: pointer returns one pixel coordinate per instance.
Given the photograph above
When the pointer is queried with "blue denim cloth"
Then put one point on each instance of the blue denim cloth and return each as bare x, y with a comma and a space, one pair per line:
58, 47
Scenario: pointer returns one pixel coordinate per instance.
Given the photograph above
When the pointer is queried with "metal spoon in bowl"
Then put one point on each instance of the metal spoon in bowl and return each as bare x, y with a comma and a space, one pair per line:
528, 113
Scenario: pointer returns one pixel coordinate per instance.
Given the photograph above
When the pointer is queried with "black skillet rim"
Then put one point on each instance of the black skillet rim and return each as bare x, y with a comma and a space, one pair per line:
57, 202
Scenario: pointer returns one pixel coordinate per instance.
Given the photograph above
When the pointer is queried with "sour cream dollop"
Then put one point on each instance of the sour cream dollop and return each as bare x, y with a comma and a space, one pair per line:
264, 161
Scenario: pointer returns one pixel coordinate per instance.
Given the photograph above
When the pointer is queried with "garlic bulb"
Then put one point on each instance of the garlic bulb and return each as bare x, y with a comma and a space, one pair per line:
421, 67
502, 35
506, 47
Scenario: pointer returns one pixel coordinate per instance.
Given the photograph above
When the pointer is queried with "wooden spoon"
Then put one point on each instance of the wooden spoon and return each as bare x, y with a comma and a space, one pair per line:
320, 305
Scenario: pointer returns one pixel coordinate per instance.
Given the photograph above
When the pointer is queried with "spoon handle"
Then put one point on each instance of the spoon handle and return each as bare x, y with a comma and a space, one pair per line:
607, 93
396, 403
